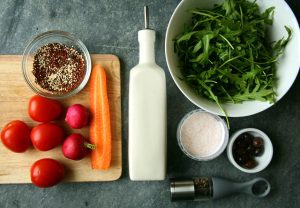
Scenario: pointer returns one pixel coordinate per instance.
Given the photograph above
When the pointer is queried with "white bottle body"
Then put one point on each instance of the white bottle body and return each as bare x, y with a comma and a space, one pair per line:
147, 123
147, 120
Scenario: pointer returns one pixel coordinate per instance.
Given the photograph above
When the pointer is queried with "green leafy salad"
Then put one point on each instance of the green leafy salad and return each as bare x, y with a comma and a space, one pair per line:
226, 55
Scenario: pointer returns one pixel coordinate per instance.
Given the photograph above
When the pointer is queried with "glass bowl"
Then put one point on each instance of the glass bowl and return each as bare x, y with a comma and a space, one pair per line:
53, 37
201, 135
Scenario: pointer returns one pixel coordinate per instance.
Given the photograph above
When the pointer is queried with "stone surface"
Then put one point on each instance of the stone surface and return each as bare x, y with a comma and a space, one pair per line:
111, 27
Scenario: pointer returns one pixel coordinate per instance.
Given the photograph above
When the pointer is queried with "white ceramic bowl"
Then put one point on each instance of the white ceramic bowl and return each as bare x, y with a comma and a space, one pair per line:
263, 160
287, 67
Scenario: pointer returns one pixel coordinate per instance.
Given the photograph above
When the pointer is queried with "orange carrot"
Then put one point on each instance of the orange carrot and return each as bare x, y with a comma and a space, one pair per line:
100, 130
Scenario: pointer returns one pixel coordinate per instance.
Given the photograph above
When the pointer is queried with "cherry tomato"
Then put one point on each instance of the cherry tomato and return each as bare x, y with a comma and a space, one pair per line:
46, 172
43, 109
16, 136
46, 136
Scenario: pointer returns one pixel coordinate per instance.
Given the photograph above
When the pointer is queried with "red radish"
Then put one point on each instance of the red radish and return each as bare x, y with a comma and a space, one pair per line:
75, 147
77, 116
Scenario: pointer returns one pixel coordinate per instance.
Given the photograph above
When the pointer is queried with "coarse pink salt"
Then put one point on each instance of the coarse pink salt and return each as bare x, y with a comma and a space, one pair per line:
203, 135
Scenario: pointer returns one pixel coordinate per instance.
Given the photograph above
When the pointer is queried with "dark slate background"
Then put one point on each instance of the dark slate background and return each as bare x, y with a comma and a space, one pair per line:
111, 27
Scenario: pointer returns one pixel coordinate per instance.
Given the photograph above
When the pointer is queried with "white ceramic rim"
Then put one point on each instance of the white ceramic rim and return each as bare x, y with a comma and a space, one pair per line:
222, 146
267, 143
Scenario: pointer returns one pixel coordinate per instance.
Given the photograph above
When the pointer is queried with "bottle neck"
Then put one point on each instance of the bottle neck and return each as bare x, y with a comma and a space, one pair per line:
147, 54
146, 39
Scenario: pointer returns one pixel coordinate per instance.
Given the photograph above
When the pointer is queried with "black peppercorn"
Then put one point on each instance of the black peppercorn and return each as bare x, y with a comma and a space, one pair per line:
257, 142
240, 151
242, 159
258, 151
246, 139
250, 149
250, 164
246, 148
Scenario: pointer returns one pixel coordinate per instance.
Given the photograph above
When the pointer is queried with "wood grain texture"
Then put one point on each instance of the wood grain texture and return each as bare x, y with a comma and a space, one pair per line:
14, 97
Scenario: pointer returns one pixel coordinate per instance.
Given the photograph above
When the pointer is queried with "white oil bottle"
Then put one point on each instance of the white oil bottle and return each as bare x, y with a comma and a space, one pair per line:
147, 112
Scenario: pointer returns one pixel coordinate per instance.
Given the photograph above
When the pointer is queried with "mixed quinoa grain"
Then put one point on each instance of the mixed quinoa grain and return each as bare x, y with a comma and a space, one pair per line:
58, 68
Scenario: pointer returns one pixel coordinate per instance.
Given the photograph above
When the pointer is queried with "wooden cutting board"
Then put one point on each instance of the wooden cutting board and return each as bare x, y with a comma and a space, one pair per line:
14, 97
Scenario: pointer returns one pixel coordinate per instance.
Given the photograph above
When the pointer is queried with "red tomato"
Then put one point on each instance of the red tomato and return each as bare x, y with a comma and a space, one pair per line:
46, 136
16, 136
43, 109
46, 172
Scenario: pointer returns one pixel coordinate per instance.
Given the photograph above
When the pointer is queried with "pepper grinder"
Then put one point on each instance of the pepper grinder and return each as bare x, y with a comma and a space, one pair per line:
206, 188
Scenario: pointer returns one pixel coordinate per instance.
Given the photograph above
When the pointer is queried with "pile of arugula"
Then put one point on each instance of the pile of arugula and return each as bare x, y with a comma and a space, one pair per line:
226, 55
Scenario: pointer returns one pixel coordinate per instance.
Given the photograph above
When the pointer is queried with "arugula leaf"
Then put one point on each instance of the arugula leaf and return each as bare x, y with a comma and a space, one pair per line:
226, 56
203, 57
186, 37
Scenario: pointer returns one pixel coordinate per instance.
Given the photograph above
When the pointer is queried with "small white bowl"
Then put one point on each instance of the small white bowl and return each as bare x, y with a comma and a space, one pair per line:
263, 160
